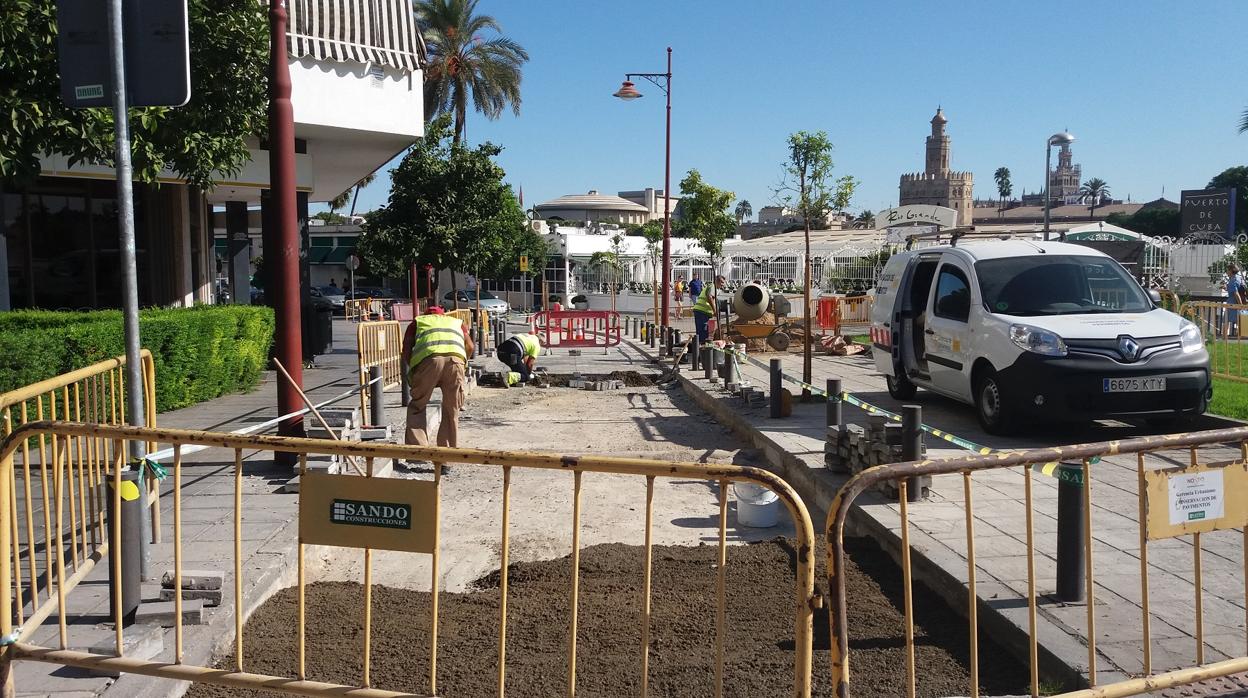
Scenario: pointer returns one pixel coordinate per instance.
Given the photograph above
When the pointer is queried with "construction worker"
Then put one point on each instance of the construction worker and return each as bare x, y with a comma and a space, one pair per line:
520, 352
704, 307
436, 349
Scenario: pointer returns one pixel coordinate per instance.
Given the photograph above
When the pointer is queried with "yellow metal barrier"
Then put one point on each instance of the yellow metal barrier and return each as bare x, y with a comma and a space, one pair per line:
424, 536
365, 309
1225, 327
1170, 300
379, 344
1224, 497
96, 393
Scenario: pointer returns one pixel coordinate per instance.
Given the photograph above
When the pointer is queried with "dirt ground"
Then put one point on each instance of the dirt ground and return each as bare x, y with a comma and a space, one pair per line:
653, 422
632, 379
758, 658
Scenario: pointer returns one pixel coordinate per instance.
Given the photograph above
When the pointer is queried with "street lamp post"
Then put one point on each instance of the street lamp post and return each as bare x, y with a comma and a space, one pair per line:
628, 91
1062, 138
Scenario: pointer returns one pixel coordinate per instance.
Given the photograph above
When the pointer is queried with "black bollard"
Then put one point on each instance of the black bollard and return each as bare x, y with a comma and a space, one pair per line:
912, 445
129, 563
405, 390
1070, 561
777, 389
650, 332
834, 416
695, 355
376, 397
708, 362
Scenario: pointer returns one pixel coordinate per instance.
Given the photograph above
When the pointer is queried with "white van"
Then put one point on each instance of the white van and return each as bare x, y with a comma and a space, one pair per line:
1027, 329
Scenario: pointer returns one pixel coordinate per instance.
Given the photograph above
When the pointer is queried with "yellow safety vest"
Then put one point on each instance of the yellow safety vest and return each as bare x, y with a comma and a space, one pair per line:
531, 344
438, 335
703, 304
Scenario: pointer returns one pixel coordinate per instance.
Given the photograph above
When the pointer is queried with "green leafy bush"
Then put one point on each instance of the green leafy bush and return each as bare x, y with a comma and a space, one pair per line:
200, 353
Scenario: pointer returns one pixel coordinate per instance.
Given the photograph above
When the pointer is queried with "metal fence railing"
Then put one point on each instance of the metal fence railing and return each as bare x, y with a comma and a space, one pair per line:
415, 502
1225, 328
36, 508
379, 343
1180, 493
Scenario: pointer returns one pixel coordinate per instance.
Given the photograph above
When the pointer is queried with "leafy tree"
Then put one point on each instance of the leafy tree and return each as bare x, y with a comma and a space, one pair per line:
1092, 192
462, 65
1148, 221
449, 207
807, 187
229, 55
706, 218
331, 218
1004, 187
743, 211
1235, 177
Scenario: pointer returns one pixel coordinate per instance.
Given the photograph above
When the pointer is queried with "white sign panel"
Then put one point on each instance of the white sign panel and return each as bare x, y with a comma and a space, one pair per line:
1196, 497
899, 234
917, 213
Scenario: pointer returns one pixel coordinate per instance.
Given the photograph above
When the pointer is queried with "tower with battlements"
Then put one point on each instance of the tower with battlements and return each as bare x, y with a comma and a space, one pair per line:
937, 184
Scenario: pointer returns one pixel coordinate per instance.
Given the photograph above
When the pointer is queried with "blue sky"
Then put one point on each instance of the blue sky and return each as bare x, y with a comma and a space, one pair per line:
1152, 91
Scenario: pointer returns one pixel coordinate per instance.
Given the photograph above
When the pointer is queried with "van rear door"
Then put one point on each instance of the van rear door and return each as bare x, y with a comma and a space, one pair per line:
947, 334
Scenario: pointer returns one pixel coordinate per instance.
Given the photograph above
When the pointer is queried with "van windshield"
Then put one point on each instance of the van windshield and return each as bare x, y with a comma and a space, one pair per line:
1058, 285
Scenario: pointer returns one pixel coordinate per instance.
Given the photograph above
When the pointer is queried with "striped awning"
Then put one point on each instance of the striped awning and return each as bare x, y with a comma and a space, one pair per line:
383, 32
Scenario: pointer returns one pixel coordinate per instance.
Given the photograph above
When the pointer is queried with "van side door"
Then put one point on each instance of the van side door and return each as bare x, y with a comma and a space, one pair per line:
948, 333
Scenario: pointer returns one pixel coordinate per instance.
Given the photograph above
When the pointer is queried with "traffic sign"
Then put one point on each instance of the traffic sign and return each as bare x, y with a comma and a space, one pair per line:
156, 45
524, 262
353, 262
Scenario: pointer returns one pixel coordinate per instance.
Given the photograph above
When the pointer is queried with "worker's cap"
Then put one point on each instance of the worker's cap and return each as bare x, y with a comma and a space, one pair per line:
436, 310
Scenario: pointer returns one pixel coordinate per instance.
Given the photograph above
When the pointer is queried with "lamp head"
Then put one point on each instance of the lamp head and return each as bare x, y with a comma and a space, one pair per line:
627, 91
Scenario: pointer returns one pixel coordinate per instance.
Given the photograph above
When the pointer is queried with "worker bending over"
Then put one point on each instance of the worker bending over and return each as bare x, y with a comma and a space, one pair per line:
704, 307
436, 349
520, 352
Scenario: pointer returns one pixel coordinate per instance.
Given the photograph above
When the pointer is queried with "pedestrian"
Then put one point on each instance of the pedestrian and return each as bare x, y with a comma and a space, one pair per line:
519, 353
1236, 294
333, 287
678, 294
695, 287
436, 349
704, 308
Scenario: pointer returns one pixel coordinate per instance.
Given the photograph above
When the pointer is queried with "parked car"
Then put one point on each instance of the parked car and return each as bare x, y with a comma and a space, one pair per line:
1028, 329
468, 299
319, 301
336, 296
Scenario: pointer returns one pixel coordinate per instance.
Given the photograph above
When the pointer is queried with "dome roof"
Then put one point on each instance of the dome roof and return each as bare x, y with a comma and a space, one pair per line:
593, 201
940, 117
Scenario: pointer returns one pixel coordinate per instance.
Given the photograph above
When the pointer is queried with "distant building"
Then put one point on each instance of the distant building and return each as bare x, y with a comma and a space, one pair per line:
778, 215
1066, 213
652, 199
938, 185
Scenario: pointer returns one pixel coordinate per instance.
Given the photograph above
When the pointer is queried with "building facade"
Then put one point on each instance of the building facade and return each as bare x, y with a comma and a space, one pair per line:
937, 184
594, 208
357, 91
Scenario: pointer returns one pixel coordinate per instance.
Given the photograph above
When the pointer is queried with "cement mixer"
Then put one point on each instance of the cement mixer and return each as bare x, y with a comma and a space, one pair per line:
750, 303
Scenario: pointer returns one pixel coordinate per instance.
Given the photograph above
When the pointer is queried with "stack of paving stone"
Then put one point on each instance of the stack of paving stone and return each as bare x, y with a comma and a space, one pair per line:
586, 384
850, 448
345, 424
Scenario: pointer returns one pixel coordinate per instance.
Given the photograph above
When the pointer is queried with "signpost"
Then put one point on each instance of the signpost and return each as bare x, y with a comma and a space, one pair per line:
353, 263
1207, 212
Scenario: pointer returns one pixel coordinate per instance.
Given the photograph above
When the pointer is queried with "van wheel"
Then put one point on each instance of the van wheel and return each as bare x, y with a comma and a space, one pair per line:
900, 387
990, 404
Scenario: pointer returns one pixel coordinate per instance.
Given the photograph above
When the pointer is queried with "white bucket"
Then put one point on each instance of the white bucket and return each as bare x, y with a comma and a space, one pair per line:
757, 506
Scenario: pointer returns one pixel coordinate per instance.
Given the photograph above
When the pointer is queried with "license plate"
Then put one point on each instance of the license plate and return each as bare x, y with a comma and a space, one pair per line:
1152, 384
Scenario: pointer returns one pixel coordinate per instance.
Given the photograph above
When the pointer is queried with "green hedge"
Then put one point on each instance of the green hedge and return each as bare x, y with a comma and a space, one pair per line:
200, 353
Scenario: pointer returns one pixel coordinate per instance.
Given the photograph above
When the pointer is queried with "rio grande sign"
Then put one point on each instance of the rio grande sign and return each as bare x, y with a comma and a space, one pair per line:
922, 214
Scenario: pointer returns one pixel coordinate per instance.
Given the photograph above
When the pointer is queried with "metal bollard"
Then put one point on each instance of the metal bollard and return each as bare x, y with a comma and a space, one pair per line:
671, 341
777, 388
129, 563
650, 332
678, 342
730, 368
695, 355
912, 445
632, 323
708, 362
1070, 534
834, 416
376, 397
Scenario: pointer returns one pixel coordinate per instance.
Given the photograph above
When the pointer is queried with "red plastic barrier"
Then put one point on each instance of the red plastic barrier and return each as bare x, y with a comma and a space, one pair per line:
576, 329
828, 314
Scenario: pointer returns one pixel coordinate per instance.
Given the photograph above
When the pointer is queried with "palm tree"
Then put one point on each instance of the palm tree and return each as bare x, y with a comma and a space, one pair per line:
1004, 187
743, 210
463, 65
864, 221
341, 200
1243, 122
1092, 192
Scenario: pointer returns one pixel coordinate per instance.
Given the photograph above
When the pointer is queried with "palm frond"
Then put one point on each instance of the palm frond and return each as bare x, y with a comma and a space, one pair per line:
1243, 122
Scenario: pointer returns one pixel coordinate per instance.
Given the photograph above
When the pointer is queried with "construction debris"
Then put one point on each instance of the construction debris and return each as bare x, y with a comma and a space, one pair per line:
849, 448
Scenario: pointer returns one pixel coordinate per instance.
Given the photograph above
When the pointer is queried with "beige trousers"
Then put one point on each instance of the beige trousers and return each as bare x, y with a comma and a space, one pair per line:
447, 373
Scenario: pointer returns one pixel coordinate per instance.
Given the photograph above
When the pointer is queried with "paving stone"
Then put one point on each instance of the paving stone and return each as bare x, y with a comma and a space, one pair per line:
194, 579
140, 642
207, 597
164, 614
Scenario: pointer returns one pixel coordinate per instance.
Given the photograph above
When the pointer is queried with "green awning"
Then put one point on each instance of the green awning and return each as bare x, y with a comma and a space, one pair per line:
339, 255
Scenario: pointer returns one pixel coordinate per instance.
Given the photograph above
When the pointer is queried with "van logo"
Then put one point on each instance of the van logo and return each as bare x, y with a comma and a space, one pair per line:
1128, 347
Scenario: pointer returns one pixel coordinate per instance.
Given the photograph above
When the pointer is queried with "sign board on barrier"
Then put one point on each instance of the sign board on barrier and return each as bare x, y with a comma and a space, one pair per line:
1196, 499
524, 262
364, 512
